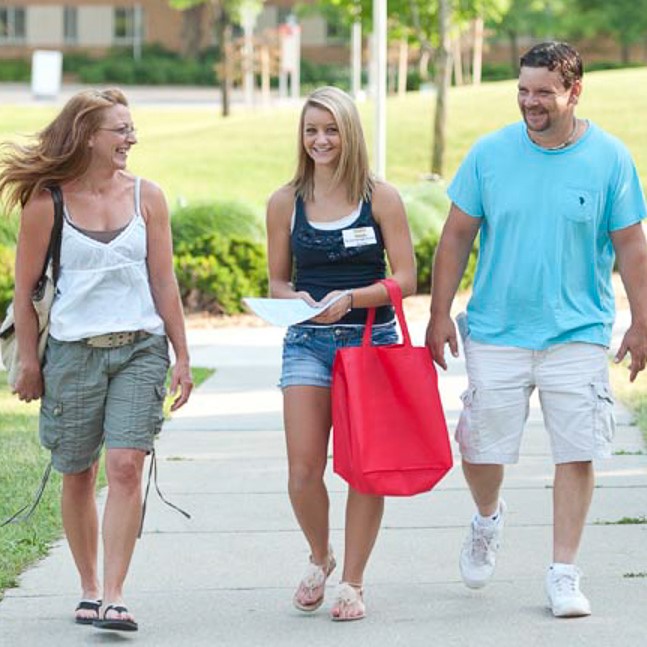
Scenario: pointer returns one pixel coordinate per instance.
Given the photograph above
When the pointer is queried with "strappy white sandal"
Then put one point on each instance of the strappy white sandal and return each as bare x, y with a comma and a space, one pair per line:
313, 583
349, 598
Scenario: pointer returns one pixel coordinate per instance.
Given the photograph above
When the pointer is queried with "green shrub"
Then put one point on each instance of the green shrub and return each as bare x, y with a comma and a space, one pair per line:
7, 258
426, 205
498, 72
425, 250
215, 272
314, 75
227, 219
9, 229
156, 66
15, 70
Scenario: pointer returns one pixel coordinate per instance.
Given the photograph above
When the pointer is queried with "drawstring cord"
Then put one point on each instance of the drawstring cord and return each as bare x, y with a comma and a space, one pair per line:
24, 513
152, 471
21, 515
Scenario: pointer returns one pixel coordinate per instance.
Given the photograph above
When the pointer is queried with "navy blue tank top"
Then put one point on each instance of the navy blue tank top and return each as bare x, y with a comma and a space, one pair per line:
327, 260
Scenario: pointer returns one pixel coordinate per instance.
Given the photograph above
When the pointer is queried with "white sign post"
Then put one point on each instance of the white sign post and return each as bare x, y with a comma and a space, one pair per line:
290, 34
46, 73
379, 55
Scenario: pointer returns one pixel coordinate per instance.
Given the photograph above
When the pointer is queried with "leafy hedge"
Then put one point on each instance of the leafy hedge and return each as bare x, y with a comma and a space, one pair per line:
15, 69
215, 273
425, 251
7, 258
219, 256
9, 229
427, 206
225, 218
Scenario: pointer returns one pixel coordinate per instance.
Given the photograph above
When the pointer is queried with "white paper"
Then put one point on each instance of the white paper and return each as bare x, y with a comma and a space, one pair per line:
287, 312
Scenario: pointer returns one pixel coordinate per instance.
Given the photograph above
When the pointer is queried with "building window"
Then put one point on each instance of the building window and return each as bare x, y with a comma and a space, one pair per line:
124, 25
12, 25
128, 25
336, 32
70, 25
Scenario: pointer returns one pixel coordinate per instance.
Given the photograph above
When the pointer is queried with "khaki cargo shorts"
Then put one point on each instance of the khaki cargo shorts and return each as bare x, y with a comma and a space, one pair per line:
97, 395
576, 401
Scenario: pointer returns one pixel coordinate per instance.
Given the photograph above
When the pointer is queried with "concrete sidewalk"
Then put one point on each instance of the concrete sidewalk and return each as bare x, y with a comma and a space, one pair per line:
226, 577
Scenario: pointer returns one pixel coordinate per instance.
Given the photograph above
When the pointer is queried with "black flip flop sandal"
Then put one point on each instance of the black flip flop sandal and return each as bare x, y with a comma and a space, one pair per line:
116, 624
87, 605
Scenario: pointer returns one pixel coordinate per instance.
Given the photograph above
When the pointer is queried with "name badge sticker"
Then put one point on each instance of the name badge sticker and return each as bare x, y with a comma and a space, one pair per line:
359, 237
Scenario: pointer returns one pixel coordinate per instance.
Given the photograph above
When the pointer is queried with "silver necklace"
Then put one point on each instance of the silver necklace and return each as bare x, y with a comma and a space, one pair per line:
567, 142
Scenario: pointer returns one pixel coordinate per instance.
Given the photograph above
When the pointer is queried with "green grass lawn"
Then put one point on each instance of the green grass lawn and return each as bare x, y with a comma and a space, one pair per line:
195, 154
22, 462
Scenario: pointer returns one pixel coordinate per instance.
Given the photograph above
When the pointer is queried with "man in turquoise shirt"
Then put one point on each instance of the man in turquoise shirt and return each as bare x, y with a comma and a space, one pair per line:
555, 199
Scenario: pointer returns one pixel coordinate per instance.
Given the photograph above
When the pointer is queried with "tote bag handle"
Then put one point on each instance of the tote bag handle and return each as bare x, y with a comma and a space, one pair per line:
395, 295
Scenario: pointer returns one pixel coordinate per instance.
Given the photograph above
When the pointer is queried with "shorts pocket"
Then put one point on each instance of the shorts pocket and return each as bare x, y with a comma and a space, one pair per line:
605, 423
51, 423
466, 429
160, 395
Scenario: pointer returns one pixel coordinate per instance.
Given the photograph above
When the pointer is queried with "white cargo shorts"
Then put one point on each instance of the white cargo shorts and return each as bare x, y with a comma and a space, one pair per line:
572, 381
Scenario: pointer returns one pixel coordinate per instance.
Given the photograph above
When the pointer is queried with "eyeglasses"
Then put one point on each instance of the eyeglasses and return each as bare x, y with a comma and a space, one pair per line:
123, 131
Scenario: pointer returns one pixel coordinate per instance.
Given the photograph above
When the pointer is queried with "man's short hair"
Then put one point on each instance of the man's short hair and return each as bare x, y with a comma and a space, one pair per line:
556, 56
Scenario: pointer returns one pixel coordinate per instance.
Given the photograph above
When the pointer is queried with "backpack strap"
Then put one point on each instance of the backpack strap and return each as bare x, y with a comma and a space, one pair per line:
54, 249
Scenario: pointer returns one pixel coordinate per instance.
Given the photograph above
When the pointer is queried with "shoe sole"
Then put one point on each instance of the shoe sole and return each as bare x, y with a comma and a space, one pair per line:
308, 608
338, 619
570, 613
115, 625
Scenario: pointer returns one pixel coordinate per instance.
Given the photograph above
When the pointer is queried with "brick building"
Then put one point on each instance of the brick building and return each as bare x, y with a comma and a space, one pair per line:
94, 26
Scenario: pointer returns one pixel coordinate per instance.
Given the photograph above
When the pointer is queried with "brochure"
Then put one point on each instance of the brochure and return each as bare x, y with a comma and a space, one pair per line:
287, 312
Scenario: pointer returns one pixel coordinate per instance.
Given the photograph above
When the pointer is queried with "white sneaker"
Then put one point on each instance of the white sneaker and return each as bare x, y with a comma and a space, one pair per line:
478, 556
564, 595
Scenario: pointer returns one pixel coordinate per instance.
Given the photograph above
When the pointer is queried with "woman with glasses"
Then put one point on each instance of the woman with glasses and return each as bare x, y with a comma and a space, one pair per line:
116, 307
330, 231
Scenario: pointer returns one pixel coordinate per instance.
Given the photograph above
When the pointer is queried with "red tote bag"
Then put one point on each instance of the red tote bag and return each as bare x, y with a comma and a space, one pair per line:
390, 435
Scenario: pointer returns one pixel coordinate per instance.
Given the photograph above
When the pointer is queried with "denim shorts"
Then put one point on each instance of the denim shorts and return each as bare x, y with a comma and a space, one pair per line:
309, 351
97, 395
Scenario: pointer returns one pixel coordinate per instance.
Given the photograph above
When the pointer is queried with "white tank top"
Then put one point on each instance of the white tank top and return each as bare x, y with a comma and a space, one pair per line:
104, 287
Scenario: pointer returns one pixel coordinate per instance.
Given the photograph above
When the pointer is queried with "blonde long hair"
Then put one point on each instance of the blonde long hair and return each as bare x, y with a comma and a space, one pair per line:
353, 168
60, 151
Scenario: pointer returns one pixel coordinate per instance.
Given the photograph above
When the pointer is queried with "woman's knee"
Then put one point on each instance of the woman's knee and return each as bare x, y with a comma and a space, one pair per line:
304, 475
81, 482
124, 468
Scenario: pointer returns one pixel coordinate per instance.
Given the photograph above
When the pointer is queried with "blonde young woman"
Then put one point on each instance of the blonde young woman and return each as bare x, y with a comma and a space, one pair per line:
329, 230
117, 301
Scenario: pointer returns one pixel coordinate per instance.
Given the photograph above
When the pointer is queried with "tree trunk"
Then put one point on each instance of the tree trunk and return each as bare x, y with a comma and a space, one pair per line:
477, 52
192, 20
457, 58
625, 52
514, 51
443, 74
223, 33
403, 65
423, 65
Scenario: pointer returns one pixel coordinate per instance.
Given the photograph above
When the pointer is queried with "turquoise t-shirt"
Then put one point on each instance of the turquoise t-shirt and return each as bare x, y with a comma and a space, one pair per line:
545, 260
